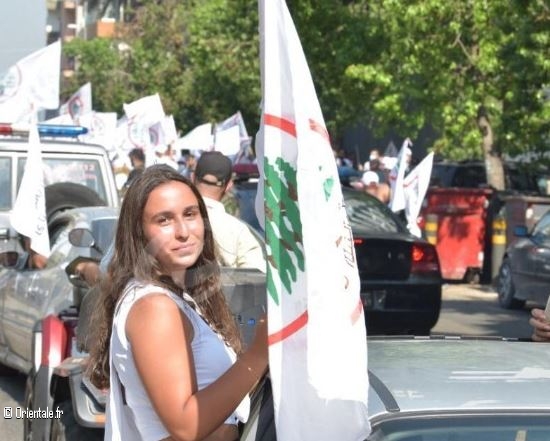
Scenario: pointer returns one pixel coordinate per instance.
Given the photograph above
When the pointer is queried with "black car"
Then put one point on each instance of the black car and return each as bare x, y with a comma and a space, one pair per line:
524, 178
400, 273
525, 270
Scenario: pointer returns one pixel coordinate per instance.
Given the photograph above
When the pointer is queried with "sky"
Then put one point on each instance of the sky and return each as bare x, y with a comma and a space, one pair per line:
22, 30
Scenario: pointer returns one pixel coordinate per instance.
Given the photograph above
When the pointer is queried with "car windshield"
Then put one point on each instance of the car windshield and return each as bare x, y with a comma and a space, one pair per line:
466, 428
368, 213
78, 170
5, 183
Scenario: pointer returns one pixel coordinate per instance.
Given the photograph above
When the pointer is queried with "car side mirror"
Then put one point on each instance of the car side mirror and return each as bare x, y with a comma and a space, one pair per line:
81, 237
9, 259
521, 231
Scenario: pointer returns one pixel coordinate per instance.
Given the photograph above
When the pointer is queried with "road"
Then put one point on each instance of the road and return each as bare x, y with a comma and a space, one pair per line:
467, 310
474, 310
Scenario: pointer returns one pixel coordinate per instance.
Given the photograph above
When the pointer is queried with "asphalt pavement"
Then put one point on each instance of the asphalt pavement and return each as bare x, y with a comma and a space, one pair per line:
473, 310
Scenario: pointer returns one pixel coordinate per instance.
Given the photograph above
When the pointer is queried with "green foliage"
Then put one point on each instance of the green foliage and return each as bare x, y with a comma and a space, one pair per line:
396, 65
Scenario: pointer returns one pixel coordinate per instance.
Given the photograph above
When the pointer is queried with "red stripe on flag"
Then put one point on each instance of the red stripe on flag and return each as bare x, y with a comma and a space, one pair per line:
280, 123
288, 330
320, 129
357, 312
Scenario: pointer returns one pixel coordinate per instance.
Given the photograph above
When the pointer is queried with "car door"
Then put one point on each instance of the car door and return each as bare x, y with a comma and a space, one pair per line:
541, 258
32, 295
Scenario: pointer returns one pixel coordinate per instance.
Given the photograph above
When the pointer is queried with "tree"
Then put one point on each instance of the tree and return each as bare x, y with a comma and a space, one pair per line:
461, 67
477, 72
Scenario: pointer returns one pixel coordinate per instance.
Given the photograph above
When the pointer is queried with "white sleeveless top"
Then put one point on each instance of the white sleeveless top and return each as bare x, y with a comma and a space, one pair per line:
137, 419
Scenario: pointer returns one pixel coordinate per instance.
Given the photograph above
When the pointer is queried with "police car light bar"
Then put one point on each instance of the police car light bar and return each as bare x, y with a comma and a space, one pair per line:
43, 130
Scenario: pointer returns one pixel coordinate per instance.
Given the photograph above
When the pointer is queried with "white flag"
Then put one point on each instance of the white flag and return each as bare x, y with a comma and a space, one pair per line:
317, 335
164, 132
142, 114
31, 84
147, 109
80, 103
228, 141
416, 185
397, 174
234, 120
28, 216
198, 139
101, 129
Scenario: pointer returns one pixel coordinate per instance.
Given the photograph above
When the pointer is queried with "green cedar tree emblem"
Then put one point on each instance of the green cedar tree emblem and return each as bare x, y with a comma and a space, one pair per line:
283, 228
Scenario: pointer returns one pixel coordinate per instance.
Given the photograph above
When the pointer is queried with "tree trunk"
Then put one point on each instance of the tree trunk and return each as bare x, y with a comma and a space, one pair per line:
493, 161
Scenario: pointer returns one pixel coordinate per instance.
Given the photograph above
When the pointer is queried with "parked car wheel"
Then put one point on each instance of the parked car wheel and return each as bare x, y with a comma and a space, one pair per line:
506, 289
67, 429
66, 195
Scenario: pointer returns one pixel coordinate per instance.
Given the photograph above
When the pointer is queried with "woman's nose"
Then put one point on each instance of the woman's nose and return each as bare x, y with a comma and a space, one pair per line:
182, 229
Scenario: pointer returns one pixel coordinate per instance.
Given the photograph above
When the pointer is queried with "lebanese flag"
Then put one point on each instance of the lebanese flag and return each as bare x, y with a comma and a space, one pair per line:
317, 335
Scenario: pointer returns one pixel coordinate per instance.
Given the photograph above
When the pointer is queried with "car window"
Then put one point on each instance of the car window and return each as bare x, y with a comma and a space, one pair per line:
542, 228
368, 213
5, 183
472, 176
103, 231
78, 170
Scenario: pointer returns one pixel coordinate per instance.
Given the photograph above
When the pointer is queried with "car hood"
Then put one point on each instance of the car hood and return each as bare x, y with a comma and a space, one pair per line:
459, 375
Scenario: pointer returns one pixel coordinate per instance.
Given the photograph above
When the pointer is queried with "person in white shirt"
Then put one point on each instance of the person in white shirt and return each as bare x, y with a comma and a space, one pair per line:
165, 341
237, 244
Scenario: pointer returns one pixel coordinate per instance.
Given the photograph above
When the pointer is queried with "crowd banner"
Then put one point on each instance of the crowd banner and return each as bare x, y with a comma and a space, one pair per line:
30, 85
415, 186
80, 103
317, 335
397, 175
228, 141
28, 216
197, 140
141, 115
101, 129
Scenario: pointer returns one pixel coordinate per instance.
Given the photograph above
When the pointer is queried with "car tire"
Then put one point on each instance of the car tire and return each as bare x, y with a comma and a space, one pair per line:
505, 287
65, 195
67, 429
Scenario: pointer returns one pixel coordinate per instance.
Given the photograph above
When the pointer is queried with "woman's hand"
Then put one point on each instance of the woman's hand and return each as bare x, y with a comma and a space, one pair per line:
257, 352
541, 326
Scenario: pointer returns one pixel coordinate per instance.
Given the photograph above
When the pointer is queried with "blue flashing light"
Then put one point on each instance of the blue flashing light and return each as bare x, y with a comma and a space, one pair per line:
53, 130
61, 131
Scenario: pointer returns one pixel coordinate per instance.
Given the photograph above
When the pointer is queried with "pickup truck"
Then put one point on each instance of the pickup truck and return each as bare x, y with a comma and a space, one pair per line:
76, 174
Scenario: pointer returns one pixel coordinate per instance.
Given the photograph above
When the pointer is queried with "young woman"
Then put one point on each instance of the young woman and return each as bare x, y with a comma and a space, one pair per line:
166, 343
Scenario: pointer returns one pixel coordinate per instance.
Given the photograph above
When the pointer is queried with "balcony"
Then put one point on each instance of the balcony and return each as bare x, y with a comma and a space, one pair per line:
103, 28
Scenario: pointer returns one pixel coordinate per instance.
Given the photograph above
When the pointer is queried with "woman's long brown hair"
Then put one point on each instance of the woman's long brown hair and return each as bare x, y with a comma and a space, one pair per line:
132, 260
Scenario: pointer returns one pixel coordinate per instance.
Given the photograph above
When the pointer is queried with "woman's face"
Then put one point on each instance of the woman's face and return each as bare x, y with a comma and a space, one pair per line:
173, 227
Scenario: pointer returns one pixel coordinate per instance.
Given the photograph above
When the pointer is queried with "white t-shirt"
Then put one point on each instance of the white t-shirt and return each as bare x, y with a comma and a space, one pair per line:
238, 246
137, 419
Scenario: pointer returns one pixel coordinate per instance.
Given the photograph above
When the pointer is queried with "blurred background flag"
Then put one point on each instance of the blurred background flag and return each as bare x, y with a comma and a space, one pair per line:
30, 85
317, 335
28, 215
415, 186
397, 175
197, 140
80, 103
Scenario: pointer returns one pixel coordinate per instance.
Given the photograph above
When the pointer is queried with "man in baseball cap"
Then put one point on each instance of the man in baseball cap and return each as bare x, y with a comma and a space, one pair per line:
238, 245
213, 168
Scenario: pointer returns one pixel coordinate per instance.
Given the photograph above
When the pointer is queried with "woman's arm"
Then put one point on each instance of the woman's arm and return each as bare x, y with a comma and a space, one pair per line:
161, 337
541, 326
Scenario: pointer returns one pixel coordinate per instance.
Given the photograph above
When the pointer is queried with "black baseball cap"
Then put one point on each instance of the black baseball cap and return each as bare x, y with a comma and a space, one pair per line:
216, 164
